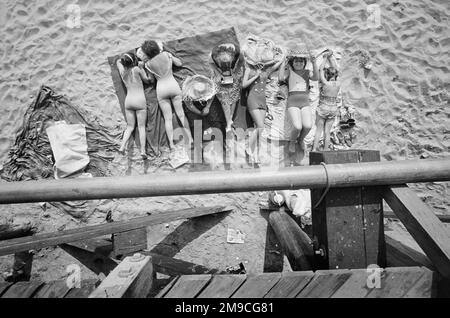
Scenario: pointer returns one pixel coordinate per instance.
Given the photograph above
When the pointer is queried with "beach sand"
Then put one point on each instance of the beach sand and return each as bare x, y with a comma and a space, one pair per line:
402, 104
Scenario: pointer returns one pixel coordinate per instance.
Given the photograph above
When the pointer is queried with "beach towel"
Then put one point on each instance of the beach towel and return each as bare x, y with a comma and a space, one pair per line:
195, 54
31, 157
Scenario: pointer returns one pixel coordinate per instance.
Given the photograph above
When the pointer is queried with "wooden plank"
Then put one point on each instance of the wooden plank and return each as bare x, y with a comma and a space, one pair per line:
168, 287
95, 262
290, 284
222, 286
87, 287
425, 287
128, 242
257, 286
445, 218
132, 278
55, 289
396, 282
22, 289
325, 284
400, 254
56, 238
355, 286
188, 286
23, 263
4, 287
11, 230
422, 224
172, 267
372, 207
295, 243
338, 221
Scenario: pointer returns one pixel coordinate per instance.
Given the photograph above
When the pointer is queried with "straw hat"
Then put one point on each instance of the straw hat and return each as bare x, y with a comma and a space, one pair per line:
302, 52
198, 88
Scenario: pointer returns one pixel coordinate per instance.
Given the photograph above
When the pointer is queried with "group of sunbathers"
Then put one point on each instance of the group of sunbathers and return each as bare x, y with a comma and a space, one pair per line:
151, 63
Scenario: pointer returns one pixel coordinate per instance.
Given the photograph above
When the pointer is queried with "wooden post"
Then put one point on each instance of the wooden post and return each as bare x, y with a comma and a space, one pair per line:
296, 243
129, 242
23, 261
132, 278
422, 224
348, 222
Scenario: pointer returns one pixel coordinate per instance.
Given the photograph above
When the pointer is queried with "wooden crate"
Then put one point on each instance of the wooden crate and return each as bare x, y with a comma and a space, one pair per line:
348, 223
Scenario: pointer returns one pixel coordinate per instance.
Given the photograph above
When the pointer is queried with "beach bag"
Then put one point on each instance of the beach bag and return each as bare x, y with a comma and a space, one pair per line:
69, 147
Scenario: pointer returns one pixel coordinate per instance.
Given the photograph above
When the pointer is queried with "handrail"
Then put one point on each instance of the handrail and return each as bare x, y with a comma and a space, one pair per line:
336, 175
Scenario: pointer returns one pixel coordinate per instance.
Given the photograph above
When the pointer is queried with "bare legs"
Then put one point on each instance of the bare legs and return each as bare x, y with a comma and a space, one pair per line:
323, 126
258, 116
131, 117
320, 123
141, 116
302, 122
166, 108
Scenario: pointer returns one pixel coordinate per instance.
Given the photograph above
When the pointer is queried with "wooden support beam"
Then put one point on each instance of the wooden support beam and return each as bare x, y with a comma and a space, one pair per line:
173, 267
428, 231
445, 218
306, 177
102, 248
97, 263
132, 278
295, 243
126, 243
10, 231
56, 238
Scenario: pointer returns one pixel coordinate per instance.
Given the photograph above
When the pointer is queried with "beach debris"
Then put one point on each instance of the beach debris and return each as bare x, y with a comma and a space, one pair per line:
178, 157
238, 269
276, 198
235, 236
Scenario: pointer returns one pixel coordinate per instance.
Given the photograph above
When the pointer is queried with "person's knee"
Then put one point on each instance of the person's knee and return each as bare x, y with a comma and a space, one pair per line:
306, 127
297, 125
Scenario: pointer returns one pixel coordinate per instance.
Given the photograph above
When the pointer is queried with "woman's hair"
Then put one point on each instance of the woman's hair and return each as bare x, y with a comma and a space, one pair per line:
226, 48
129, 60
330, 73
150, 48
302, 59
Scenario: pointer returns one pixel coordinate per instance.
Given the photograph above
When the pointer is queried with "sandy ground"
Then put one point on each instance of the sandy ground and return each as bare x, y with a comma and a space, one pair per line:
402, 104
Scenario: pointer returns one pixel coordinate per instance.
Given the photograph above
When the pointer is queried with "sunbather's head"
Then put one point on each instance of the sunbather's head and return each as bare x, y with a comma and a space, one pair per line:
128, 60
331, 74
150, 48
298, 63
225, 56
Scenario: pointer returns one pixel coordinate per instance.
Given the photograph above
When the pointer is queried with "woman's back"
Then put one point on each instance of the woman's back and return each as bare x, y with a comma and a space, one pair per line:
161, 67
132, 79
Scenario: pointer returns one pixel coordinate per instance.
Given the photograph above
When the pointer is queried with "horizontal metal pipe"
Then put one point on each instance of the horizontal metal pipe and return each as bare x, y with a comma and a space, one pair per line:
337, 175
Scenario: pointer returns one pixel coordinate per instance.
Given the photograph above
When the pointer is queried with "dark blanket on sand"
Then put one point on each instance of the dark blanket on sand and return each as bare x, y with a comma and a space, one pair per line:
194, 52
31, 157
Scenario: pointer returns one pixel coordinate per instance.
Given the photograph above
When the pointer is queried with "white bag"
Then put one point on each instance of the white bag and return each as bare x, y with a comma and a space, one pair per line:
69, 146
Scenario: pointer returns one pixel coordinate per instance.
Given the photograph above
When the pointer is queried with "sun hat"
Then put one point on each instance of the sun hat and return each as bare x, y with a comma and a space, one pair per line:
198, 88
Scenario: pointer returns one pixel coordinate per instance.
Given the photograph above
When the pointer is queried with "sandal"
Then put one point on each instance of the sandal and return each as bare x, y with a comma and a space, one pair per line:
340, 137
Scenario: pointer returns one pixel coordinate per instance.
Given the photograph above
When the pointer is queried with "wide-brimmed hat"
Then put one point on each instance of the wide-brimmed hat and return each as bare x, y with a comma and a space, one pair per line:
198, 88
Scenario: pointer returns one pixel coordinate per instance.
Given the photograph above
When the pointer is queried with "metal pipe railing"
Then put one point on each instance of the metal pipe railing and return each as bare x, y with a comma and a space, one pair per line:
336, 175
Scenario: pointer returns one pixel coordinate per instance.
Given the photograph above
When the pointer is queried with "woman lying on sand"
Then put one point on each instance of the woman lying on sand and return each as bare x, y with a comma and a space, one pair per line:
135, 105
255, 79
298, 105
327, 108
168, 91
